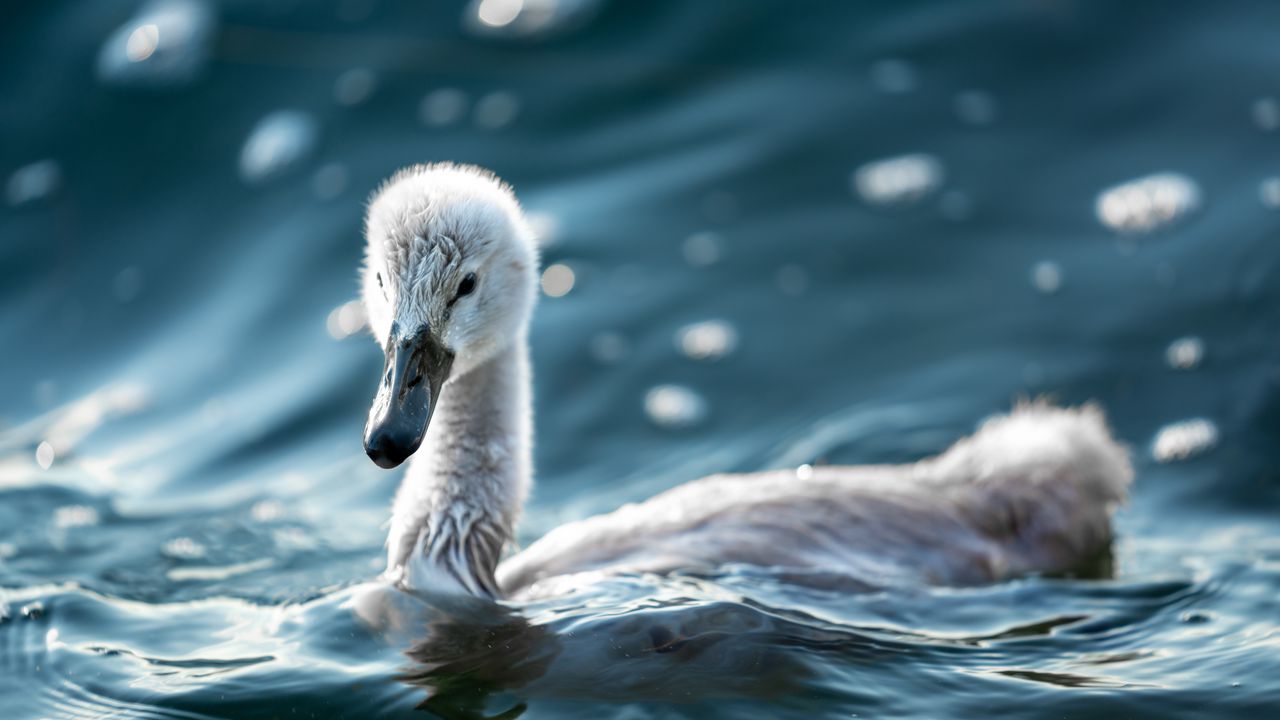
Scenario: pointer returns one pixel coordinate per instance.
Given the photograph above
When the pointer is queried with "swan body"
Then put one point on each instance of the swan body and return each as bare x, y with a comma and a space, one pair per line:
449, 285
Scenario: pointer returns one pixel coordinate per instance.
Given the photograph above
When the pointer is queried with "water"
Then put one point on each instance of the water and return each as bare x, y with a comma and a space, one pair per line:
187, 518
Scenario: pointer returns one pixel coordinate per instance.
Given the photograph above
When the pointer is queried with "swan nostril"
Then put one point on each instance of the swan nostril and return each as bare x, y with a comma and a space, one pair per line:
417, 380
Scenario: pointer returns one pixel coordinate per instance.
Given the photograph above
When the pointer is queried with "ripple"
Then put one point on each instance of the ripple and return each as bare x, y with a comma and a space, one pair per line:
901, 180
215, 573
278, 143
168, 43
73, 516
56, 433
675, 406
184, 548
1184, 440
1148, 203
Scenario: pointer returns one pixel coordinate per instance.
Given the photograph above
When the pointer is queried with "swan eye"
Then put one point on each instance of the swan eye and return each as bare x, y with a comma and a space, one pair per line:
467, 286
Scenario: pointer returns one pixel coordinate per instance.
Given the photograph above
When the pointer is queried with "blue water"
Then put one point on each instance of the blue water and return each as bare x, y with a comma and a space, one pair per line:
186, 513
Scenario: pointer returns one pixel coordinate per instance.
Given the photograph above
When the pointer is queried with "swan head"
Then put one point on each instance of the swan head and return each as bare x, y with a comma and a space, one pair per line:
449, 280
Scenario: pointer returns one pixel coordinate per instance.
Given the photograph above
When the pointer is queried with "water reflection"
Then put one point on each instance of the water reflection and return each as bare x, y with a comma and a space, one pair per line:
535, 19
276, 144
1148, 203
33, 182
168, 43
899, 180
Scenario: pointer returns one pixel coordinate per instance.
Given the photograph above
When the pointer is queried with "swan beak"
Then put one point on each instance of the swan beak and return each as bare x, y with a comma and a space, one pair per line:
416, 369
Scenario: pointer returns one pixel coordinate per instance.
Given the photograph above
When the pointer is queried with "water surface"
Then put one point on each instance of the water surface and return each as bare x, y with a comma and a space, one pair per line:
187, 519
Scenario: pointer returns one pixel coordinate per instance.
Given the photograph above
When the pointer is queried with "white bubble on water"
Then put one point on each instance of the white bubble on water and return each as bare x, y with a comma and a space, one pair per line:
804, 472
1185, 353
33, 182
609, 348
276, 144
183, 548
707, 340
674, 406
703, 249
329, 180
893, 76
346, 320
71, 516
354, 87
168, 43
1269, 193
45, 455
1184, 440
792, 279
557, 280
7, 550
1046, 277
496, 110
497, 13
900, 180
976, 107
265, 511
1147, 203
1266, 114
537, 19
446, 106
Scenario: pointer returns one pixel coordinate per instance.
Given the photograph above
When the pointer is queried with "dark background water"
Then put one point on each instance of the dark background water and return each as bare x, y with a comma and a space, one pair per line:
185, 508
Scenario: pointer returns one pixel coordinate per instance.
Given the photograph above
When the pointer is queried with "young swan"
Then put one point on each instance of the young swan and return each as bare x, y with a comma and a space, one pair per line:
449, 285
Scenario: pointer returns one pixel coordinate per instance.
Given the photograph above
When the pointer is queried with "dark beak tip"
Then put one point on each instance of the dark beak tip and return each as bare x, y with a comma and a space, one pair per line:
388, 447
386, 462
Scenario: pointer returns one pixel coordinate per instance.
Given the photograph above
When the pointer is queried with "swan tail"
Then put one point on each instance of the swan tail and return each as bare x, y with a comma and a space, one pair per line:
1041, 482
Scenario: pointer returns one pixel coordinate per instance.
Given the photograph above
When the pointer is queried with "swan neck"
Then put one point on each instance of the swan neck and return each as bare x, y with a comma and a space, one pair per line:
464, 489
